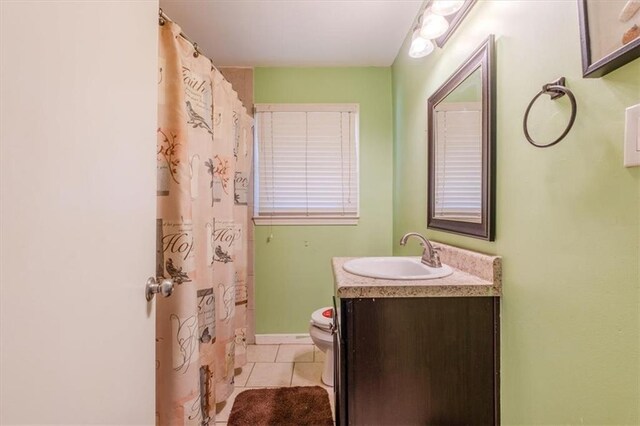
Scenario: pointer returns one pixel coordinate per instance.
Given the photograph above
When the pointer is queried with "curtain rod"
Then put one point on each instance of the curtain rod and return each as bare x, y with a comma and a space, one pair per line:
164, 18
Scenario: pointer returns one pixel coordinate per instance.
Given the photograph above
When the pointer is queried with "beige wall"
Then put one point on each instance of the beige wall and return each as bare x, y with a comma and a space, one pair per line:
242, 81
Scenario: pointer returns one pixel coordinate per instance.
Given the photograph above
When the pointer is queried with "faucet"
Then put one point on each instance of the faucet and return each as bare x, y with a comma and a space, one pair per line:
430, 256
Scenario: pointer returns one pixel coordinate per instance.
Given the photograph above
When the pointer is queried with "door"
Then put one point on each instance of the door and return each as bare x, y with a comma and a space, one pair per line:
78, 179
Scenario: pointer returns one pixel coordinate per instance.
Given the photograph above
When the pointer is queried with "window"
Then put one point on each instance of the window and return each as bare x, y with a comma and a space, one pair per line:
458, 154
306, 164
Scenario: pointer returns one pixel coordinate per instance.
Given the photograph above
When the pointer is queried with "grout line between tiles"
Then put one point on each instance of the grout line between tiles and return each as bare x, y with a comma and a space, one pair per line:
277, 352
249, 375
293, 368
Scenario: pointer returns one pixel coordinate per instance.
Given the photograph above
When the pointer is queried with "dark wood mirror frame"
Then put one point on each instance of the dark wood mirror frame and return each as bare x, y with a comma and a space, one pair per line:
483, 58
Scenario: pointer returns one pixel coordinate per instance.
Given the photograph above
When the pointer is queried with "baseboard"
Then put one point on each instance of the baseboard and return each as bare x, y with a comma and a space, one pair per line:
283, 339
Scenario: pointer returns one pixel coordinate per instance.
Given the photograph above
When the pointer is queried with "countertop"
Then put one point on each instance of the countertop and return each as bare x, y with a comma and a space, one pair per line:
474, 274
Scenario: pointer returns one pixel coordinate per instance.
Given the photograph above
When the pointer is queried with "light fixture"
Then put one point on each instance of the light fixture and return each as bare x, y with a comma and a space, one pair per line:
420, 46
446, 7
433, 26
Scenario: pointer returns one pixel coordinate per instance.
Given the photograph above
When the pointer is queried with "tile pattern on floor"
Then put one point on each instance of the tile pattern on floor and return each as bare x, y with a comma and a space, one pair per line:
276, 366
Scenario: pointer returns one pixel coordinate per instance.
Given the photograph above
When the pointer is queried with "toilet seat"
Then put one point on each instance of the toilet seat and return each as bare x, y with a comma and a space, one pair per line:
322, 318
321, 335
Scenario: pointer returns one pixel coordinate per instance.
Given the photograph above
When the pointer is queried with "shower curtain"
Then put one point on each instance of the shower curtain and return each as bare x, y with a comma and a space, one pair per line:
204, 158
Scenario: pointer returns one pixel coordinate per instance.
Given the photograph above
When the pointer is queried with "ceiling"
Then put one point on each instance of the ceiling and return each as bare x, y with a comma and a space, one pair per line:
296, 32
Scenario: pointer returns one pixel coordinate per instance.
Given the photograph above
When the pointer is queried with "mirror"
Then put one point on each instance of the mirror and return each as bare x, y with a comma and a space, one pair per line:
461, 149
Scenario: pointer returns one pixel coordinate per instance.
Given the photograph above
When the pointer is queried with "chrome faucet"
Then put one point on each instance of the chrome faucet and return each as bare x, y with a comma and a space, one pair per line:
430, 256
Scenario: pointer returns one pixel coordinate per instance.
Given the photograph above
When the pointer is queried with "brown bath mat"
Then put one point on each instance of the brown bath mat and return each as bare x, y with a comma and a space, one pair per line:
308, 405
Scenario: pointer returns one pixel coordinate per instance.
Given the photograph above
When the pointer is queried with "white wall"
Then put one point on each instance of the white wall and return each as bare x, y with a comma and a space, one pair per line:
78, 122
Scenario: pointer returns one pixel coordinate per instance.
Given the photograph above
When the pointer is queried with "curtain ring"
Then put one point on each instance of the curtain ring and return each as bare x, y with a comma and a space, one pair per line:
555, 90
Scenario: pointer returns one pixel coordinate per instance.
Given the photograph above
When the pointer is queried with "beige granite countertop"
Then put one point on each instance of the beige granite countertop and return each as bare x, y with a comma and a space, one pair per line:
474, 274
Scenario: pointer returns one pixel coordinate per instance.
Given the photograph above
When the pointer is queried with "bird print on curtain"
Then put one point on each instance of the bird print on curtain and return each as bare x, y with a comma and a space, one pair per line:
204, 144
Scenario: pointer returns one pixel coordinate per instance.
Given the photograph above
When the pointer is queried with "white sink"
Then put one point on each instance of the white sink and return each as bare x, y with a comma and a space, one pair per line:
395, 268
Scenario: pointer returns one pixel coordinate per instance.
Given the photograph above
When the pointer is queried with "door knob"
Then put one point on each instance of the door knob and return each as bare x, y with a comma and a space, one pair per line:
163, 286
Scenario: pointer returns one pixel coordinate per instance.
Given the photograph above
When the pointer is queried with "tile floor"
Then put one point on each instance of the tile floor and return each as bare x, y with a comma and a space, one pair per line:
276, 366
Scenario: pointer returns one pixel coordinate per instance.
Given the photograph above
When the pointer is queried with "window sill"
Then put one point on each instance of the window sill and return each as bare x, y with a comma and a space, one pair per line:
305, 221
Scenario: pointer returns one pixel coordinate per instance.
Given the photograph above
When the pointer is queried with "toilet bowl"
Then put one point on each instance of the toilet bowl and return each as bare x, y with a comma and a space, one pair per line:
322, 336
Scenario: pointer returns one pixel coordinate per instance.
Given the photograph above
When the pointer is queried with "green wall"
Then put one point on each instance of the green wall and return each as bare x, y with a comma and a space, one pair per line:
293, 273
568, 217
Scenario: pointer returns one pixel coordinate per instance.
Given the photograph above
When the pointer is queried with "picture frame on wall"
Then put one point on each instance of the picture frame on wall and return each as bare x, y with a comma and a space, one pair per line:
609, 35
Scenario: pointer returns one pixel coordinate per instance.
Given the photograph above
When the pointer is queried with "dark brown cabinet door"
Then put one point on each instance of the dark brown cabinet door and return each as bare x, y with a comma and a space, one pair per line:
339, 371
418, 361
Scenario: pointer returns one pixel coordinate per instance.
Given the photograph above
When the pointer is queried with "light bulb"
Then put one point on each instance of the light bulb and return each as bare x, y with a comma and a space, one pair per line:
420, 46
433, 26
446, 7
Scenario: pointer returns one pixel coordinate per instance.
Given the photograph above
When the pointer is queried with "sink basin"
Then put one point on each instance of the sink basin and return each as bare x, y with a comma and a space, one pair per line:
395, 268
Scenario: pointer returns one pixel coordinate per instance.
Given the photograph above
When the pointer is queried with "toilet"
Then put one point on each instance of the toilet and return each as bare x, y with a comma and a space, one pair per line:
322, 336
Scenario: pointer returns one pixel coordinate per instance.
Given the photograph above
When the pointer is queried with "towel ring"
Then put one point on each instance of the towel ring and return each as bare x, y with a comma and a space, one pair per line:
555, 90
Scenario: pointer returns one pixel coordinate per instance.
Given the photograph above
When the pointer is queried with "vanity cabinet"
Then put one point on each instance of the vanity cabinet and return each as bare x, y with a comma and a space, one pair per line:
417, 361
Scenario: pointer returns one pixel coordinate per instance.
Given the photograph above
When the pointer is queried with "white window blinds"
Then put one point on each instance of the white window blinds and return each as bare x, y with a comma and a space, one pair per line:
458, 158
307, 164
